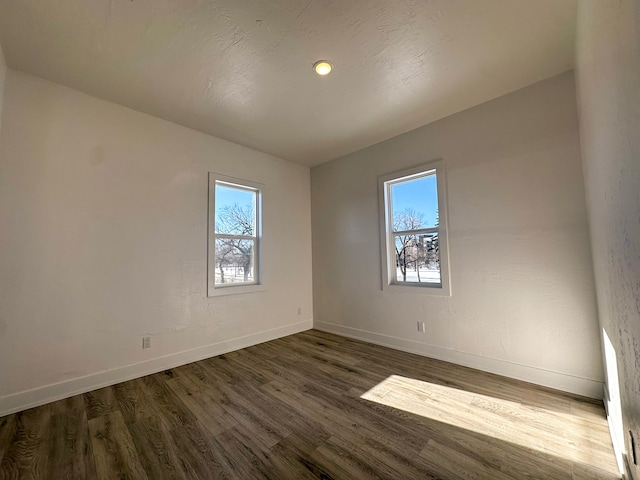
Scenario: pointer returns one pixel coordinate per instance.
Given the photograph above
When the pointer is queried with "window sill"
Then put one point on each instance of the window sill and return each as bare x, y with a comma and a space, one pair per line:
435, 291
235, 290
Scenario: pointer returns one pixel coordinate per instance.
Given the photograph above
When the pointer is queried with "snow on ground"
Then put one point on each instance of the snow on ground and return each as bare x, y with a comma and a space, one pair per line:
236, 275
232, 275
426, 275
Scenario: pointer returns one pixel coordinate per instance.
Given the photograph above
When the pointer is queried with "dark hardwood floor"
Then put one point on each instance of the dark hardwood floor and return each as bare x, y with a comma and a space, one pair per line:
312, 405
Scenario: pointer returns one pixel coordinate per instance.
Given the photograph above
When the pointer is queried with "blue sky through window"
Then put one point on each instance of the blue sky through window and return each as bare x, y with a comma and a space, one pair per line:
227, 196
420, 195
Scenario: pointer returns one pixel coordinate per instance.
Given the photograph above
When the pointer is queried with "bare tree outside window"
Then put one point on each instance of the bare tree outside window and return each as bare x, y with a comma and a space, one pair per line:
235, 254
407, 245
415, 252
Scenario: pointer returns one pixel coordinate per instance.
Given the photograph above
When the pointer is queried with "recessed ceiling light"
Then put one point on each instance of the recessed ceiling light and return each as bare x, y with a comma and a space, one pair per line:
322, 67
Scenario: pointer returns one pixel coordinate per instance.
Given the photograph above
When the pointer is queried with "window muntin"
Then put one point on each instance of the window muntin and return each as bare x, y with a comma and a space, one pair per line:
234, 235
413, 236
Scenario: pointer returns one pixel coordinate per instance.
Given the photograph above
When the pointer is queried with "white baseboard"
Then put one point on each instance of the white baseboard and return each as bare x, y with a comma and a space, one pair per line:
50, 393
559, 381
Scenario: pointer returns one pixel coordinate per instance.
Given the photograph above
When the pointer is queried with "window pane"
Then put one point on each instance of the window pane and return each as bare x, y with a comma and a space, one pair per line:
234, 261
415, 203
417, 258
235, 210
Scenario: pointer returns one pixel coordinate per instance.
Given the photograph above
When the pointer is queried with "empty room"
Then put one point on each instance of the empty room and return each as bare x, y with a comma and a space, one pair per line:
320, 239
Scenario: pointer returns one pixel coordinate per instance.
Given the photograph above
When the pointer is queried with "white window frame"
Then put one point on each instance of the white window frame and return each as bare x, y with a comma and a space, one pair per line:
387, 242
214, 290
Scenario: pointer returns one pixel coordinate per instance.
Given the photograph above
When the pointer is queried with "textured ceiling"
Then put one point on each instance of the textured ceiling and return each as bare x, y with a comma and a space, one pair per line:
241, 69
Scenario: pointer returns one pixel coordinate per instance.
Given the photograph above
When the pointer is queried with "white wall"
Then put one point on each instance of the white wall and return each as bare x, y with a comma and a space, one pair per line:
523, 295
608, 74
104, 240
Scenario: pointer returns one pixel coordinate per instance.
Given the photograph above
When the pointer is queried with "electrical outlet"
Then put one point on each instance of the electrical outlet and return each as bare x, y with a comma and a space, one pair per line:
299, 311
422, 327
146, 342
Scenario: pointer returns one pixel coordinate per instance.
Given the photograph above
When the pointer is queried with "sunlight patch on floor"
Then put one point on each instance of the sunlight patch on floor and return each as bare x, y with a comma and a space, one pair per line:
572, 437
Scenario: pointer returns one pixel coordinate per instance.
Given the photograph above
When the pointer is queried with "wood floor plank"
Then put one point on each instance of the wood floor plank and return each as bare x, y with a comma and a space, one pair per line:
313, 406
249, 367
356, 462
320, 352
26, 454
186, 432
528, 463
100, 402
214, 371
309, 459
455, 465
165, 403
211, 414
265, 429
197, 457
114, 451
305, 426
251, 458
403, 430
7, 432
70, 448
412, 467
294, 460
132, 402
588, 472
69, 406
336, 416
156, 450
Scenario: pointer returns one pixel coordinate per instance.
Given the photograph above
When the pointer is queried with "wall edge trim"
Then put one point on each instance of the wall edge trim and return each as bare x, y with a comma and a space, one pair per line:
35, 397
560, 381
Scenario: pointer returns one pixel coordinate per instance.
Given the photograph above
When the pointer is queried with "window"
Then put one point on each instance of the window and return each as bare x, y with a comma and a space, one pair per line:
234, 235
413, 233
